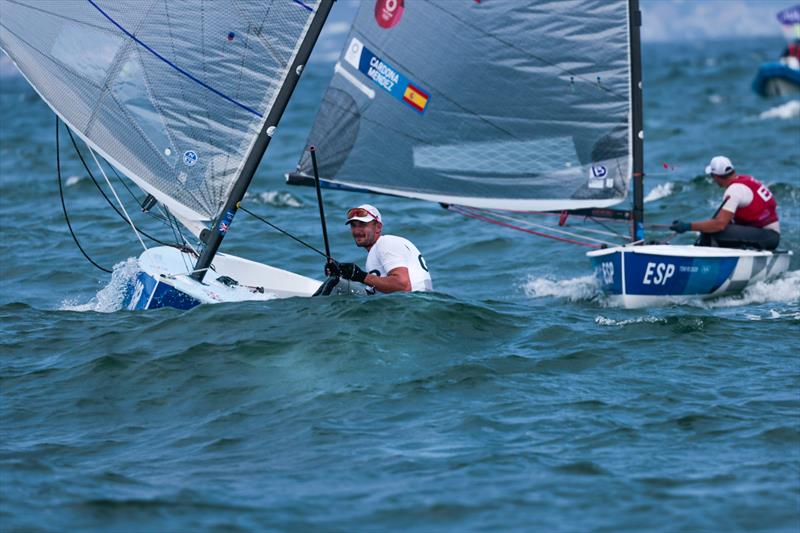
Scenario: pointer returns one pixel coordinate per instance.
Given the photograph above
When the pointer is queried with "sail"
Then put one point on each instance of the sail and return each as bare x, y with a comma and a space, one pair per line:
789, 19
508, 105
173, 94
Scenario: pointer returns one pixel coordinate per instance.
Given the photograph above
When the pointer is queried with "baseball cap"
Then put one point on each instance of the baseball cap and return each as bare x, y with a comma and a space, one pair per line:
363, 213
720, 166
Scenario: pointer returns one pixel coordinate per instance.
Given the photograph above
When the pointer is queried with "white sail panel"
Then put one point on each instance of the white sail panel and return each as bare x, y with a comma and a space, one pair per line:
172, 94
515, 105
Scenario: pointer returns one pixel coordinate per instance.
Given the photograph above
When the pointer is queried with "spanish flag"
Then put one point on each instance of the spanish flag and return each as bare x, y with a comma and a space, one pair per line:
416, 98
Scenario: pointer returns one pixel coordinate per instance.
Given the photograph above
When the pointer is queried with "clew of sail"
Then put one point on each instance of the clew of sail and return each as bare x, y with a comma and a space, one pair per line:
172, 94
503, 105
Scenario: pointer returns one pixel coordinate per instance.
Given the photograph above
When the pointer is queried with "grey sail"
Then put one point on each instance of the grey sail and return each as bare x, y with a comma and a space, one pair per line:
507, 105
173, 94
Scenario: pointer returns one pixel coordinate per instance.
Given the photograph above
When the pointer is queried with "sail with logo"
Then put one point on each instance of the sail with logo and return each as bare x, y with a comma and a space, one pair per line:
497, 108
504, 105
181, 98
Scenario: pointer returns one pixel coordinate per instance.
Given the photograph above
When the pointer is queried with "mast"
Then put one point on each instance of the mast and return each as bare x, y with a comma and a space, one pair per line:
223, 221
635, 23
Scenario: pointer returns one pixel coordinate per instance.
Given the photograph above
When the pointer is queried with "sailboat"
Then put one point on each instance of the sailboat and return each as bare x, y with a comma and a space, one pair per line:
782, 77
183, 100
494, 109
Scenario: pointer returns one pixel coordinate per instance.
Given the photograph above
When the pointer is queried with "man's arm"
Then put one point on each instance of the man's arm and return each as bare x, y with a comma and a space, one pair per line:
397, 280
715, 225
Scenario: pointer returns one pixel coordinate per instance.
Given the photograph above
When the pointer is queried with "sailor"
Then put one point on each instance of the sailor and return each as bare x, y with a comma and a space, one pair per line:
791, 55
747, 218
394, 264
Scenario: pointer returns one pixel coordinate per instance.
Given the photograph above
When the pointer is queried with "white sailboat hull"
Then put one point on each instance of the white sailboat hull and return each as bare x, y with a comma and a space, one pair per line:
164, 280
652, 275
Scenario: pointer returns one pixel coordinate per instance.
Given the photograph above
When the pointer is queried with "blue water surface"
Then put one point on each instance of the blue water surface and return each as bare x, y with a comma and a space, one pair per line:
514, 398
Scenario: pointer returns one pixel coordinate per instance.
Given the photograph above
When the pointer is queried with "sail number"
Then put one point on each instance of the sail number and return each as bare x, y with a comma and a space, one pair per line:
658, 273
764, 193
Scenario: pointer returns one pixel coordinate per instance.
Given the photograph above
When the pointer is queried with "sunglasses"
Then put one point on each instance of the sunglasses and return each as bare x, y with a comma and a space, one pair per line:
359, 212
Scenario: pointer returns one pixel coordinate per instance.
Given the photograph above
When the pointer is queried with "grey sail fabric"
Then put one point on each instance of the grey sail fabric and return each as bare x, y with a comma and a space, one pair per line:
507, 105
171, 93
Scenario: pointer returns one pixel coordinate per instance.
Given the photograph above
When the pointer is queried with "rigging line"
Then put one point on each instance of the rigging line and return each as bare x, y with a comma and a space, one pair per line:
609, 232
122, 182
103, 172
108, 200
548, 228
171, 64
64, 205
511, 226
175, 235
282, 231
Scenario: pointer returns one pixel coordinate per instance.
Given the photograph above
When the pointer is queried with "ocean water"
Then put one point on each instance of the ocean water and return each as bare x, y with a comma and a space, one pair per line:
514, 398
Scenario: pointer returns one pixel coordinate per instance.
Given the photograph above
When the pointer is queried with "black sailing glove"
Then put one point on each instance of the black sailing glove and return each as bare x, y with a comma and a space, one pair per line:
332, 268
680, 227
352, 272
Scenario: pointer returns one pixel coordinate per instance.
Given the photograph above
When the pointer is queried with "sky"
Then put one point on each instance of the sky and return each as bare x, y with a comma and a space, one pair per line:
663, 20
684, 20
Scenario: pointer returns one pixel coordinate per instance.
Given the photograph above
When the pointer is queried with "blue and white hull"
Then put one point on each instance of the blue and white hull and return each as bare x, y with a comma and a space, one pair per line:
641, 276
164, 280
777, 79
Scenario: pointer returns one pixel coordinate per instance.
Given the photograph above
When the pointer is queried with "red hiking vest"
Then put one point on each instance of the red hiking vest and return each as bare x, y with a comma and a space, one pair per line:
762, 210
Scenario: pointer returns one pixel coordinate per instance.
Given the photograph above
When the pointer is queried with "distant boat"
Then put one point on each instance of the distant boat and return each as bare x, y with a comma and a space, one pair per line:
496, 108
183, 99
782, 77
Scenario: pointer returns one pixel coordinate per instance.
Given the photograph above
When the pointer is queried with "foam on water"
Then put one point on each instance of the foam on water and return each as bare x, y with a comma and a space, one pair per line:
661, 191
108, 299
275, 199
73, 180
784, 289
574, 289
789, 110
603, 321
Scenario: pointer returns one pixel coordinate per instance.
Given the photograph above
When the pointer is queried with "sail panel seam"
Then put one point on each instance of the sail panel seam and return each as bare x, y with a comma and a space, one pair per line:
173, 65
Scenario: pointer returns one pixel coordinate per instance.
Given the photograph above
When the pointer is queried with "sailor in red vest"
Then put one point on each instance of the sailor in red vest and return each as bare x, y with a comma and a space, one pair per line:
792, 49
747, 218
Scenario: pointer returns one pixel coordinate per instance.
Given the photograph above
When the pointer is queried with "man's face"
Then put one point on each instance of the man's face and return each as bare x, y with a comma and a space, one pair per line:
365, 233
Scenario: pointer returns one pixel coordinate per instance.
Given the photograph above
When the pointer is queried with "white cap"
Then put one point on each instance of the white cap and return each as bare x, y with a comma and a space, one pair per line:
720, 166
364, 213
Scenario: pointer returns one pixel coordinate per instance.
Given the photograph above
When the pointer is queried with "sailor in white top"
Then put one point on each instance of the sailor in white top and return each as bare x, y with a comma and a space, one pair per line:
394, 264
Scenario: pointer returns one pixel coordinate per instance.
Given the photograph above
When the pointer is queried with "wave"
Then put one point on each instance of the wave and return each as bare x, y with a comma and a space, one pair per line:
784, 289
604, 321
659, 192
789, 110
108, 299
275, 199
74, 180
583, 288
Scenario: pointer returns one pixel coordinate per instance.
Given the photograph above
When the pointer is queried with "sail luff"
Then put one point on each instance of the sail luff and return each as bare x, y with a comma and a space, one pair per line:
637, 115
260, 143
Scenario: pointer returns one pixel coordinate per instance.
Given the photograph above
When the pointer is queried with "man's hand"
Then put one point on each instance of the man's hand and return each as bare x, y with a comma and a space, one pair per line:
680, 227
352, 272
332, 268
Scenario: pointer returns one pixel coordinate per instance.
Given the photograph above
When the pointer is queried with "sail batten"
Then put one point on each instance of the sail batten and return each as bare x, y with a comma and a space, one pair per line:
497, 103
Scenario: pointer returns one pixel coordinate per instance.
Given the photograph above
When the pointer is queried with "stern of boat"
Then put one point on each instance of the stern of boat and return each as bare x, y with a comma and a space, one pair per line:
640, 276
